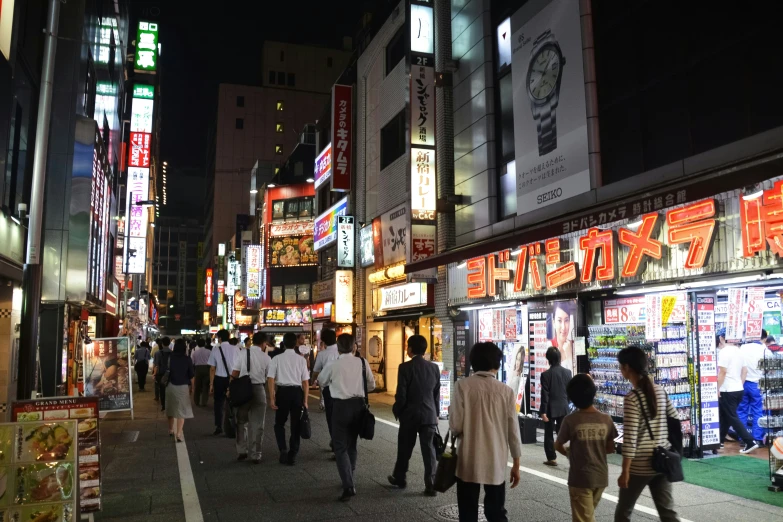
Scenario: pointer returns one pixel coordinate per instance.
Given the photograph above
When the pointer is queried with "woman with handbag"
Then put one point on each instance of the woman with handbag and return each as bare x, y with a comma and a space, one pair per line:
178, 388
646, 433
483, 415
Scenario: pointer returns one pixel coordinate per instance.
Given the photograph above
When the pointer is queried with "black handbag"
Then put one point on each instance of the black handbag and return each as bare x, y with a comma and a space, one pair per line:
305, 430
440, 445
367, 421
664, 460
241, 389
163, 378
446, 474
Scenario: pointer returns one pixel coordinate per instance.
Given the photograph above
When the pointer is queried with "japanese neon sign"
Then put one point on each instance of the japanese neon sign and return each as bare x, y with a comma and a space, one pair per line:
326, 224
323, 166
147, 47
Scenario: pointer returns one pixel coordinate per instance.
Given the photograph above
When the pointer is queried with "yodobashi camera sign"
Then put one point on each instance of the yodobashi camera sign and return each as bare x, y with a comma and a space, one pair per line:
326, 225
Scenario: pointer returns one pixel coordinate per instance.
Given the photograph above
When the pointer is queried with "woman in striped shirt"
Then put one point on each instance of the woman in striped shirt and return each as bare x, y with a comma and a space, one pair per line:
651, 400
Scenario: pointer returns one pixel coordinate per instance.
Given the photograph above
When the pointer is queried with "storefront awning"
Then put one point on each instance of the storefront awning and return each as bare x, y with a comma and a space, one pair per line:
687, 191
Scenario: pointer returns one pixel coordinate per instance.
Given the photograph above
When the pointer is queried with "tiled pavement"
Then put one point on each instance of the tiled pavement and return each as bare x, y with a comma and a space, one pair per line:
142, 482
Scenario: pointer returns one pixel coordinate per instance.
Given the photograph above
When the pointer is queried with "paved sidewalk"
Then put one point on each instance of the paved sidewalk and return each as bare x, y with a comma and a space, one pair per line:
142, 481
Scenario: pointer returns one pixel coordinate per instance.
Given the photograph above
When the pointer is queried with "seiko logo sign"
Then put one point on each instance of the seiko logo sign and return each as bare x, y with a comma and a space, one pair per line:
549, 195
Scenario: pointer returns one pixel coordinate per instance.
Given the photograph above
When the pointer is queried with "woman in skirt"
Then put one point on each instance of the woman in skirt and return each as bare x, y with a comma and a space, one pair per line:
181, 373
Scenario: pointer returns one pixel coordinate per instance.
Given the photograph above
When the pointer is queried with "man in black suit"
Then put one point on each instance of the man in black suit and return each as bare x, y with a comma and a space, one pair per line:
554, 401
416, 407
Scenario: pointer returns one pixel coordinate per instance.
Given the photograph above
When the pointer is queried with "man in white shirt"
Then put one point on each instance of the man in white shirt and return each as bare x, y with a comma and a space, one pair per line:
289, 381
347, 388
751, 404
252, 415
731, 373
322, 360
221, 360
200, 358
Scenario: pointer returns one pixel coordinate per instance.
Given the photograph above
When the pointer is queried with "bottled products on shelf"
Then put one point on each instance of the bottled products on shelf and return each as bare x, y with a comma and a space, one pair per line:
772, 419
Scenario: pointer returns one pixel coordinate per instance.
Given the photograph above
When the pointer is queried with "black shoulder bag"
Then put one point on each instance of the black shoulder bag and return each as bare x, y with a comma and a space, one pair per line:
664, 461
241, 389
163, 378
367, 422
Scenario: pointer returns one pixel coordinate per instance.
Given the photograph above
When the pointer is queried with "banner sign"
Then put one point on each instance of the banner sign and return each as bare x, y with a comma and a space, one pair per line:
422, 105
208, 288
253, 264
296, 228
342, 137
550, 118
326, 224
755, 317
343, 298
366, 247
83, 410
107, 364
394, 227
627, 310
345, 242
323, 166
736, 315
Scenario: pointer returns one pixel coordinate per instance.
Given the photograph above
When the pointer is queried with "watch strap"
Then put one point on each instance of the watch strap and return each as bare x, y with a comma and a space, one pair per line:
547, 129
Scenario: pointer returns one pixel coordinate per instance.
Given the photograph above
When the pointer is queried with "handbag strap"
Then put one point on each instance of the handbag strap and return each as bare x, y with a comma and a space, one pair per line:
248, 361
364, 384
220, 348
644, 414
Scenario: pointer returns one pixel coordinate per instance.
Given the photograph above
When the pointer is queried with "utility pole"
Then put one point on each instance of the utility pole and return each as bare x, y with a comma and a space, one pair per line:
31, 303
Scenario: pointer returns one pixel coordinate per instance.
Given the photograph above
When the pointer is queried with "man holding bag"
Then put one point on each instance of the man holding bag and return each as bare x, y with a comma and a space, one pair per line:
252, 414
349, 379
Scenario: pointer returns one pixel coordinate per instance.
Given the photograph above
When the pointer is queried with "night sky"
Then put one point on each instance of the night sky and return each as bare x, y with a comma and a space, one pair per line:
201, 48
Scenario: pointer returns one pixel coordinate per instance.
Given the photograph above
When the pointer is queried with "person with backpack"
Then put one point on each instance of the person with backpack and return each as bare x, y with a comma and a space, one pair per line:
160, 367
646, 409
142, 364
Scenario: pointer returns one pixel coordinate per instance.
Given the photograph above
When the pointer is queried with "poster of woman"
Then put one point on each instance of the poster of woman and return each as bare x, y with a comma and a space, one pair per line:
560, 328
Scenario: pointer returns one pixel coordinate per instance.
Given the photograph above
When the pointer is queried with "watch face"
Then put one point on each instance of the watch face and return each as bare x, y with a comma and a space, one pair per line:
544, 72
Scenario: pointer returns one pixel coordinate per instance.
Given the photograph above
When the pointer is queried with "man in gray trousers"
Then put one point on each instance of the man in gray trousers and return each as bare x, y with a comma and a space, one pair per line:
344, 379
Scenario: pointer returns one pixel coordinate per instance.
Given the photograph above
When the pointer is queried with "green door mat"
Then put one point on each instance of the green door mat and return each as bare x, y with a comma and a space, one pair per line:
742, 476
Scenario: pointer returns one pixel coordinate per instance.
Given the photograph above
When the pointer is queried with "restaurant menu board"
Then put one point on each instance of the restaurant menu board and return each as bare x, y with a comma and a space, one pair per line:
540, 344
709, 422
107, 373
38, 471
85, 411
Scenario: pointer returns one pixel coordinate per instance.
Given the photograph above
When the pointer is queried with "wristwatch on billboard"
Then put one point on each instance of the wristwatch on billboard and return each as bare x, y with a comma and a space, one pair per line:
543, 88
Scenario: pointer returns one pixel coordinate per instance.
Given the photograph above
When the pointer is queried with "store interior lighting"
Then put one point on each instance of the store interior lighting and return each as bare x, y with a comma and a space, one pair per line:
253, 191
463, 264
516, 252
730, 281
754, 195
634, 225
271, 185
505, 304
648, 289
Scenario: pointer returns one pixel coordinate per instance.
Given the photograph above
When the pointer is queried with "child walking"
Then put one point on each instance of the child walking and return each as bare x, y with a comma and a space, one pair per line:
591, 434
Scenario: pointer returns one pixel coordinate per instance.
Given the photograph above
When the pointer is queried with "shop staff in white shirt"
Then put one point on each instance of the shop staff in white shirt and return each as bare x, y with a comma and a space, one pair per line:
252, 415
322, 360
221, 360
288, 383
751, 404
731, 374
344, 379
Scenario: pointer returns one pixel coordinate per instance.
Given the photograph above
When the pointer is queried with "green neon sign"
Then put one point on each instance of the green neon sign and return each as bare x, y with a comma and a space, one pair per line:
141, 90
147, 47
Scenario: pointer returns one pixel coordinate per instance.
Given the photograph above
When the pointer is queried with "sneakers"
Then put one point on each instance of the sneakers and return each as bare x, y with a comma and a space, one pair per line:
750, 447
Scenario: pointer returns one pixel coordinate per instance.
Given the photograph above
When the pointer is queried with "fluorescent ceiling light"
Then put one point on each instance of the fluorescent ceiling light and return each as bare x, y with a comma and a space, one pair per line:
635, 224
755, 195
516, 252
253, 191
723, 282
648, 290
463, 264
505, 304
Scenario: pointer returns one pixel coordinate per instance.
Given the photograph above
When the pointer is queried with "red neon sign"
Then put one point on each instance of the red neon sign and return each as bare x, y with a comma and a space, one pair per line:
762, 222
562, 274
594, 242
208, 288
640, 244
139, 155
477, 276
497, 274
692, 224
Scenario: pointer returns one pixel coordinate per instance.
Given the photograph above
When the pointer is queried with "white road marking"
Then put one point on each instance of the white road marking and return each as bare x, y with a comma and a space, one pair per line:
547, 476
188, 485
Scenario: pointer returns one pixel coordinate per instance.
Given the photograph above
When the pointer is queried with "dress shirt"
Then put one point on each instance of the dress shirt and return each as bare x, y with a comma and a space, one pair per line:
344, 377
159, 355
142, 354
229, 352
288, 369
259, 364
200, 356
324, 357
484, 416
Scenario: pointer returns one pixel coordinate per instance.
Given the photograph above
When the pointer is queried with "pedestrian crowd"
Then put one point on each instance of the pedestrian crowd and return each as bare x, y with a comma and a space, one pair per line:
245, 379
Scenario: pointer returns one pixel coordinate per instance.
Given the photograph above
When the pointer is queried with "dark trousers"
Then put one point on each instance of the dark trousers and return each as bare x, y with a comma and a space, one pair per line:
550, 428
345, 435
162, 388
289, 401
727, 404
329, 407
406, 441
468, 501
660, 490
201, 385
220, 384
142, 367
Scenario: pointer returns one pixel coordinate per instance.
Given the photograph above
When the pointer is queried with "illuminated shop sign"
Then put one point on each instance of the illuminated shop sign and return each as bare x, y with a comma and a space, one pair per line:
326, 224
208, 288
288, 316
400, 296
366, 247
322, 311
292, 251
147, 47
139, 155
424, 196
422, 40
137, 190
343, 297
323, 166
297, 228
345, 242
142, 107
253, 256
342, 137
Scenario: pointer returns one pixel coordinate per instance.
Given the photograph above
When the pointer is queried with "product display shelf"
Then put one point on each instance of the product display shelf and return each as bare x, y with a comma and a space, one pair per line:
671, 358
772, 419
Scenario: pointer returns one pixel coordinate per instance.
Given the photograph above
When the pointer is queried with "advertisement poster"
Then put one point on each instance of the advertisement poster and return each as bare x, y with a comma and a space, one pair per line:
735, 315
485, 318
538, 327
460, 349
510, 323
293, 316
107, 373
755, 316
38, 471
84, 410
521, 370
445, 393
560, 327
292, 251
627, 310
772, 324
708, 372
654, 319
550, 119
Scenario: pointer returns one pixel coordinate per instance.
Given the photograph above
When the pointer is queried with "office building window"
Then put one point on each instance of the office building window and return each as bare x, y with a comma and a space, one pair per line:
240, 123
395, 51
240, 101
280, 104
279, 150
329, 61
280, 78
279, 127
272, 76
393, 140
291, 79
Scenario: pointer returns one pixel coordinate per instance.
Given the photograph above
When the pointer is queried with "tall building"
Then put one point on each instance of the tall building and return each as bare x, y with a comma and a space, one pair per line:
262, 124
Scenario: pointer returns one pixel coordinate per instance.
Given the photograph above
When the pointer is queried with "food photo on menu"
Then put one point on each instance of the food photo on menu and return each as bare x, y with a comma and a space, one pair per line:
47, 442
106, 369
51, 482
